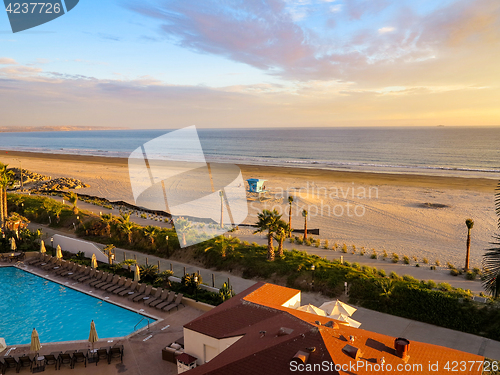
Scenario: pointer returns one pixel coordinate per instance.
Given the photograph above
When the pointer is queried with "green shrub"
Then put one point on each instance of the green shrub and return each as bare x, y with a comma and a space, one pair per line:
384, 254
433, 268
394, 275
362, 251
395, 258
308, 242
300, 240
451, 266
326, 245
415, 258
317, 242
353, 249
431, 284
335, 246
291, 239
410, 279
438, 263
445, 287
344, 248
382, 273
356, 265
417, 265
470, 275
454, 272
406, 260
374, 255
425, 261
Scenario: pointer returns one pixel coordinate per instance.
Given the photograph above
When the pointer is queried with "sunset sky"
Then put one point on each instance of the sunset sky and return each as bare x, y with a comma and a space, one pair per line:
255, 63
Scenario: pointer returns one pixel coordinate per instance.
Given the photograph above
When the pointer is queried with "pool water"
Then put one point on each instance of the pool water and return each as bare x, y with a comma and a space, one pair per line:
57, 312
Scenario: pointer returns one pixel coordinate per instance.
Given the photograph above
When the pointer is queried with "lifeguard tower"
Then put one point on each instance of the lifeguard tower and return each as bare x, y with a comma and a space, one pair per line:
256, 185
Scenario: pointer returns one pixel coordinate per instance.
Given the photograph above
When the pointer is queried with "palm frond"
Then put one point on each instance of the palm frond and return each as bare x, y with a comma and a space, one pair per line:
491, 269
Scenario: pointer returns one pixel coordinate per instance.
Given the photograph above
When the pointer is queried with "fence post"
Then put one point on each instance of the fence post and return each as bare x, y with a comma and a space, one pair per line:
171, 267
184, 271
213, 281
147, 261
158, 266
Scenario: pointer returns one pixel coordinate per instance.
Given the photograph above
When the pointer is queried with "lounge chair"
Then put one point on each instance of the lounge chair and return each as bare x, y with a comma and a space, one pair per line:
54, 263
115, 351
52, 359
146, 293
43, 259
102, 353
132, 288
89, 274
70, 269
113, 282
121, 282
156, 296
64, 267
135, 293
176, 304
79, 357
50, 263
78, 272
169, 300
65, 359
34, 258
10, 362
98, 275
163, 298
24, 361
128, 285
105, 281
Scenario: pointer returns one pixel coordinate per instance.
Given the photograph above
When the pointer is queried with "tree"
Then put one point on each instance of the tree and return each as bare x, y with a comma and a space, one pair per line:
491, 259
290, 201
150, 233
6, 180
127, 228
268, 220
222, 245
182, 226
283, 230
107, 220
73, 199
470, 224
304, 213
128, 263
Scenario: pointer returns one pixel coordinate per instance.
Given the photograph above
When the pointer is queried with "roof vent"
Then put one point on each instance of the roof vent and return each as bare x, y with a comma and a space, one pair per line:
402, 347
284, 331
311, 349
300, 357
331, 324
318, 322
352, 351
262, 334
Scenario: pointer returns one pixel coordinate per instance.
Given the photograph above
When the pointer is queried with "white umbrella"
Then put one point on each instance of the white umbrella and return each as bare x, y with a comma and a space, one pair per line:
42, 247
137, 274
58, 252
93, 334
312, 309
347, 319
336, 308
35, 341
13, 246
93, 262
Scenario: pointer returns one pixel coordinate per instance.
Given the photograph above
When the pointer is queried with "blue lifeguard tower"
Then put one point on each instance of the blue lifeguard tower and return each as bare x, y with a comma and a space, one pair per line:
256, 185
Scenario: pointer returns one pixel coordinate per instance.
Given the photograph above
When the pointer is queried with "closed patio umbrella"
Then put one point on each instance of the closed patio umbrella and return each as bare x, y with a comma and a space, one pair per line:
13, 246
344, 318
137, 274
336, 307
35, 341
312, 309
93, 262
58, 252
42, 247
93, 334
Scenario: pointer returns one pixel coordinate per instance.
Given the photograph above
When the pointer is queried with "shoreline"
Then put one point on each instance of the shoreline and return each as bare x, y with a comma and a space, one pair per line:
359, 177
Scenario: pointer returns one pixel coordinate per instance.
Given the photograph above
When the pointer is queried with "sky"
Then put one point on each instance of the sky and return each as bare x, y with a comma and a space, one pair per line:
255, 63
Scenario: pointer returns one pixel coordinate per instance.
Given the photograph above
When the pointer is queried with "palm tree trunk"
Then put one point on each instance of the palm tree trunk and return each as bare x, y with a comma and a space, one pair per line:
305, 228
5, 212
290, 220
270, 248
468, 250
280, 247
2, 218
130, 237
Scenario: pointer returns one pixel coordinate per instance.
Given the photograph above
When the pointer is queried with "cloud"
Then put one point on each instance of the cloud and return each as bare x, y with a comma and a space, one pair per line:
7, 61
386, 29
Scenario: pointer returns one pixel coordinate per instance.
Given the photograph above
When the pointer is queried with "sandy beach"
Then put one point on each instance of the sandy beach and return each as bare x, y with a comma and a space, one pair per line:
412, 215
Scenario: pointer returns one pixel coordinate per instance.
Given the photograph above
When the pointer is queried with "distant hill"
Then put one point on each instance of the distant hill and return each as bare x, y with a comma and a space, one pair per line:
25, 129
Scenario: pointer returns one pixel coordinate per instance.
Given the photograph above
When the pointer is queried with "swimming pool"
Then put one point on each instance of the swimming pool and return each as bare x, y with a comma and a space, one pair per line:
57, 312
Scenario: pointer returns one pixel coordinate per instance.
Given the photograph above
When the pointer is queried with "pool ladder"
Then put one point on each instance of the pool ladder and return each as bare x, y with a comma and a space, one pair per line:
140, 323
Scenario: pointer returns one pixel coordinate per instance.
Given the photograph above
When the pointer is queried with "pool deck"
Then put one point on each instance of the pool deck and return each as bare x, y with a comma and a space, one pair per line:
142, 349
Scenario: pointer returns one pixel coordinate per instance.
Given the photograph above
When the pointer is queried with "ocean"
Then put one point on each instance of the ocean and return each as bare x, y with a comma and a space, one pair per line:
447, 151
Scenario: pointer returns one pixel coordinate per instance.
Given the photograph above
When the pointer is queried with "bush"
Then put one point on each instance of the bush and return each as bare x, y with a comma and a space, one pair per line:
317, 242
362, 251
374, 255
344, 248
425, 261
356, 265
445, 287
308, 242
406, 260
394, 275
438, 263
431, 284
454, 272
326, 245
433, 268
300, 240
417, 265
395, 258
353, 249
410, 279
451, 266
470, 275
384, 254
382, 273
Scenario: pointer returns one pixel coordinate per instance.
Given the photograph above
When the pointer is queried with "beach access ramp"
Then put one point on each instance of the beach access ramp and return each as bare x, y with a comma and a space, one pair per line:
74, 246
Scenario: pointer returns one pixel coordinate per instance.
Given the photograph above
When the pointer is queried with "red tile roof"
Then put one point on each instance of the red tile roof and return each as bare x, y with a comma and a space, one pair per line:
248, 316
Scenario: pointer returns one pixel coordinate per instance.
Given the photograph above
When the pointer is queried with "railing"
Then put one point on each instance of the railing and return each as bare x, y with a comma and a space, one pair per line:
140, 323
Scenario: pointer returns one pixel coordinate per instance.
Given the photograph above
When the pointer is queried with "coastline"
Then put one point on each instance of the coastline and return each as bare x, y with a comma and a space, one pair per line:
262, 171
413, 215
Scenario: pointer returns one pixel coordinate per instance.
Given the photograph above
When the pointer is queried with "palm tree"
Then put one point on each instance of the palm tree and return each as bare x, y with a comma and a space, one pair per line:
491, 259
470, 225
290, 201
6, 180
73, 199
282, 231
304, 213
268, 220
107, 219
127, 228
222, 245
182, 226
150, 233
